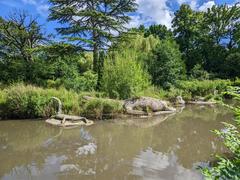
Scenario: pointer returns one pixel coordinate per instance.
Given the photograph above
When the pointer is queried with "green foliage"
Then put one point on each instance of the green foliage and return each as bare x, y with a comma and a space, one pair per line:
99, 108
137, 43
3, 96
227, 168
222, 23
206, 37
23, 102
188, 30
12, 70
96, 20
85, 82
195, 88
236, 82
159, 31
232, 65
165, 64
123, 76
19, 34
30, 102
199, 73
152, 91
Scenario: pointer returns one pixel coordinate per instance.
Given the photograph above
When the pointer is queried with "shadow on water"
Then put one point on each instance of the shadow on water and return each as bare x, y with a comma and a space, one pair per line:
155, 148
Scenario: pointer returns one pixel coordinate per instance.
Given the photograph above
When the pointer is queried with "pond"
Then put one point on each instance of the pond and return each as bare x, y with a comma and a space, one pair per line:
155, 148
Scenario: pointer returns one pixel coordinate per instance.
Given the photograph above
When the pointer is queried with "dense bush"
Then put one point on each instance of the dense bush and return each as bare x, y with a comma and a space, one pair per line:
123, 77
102, 108
236, 82
165, 64
85, 82
199, 73
152, 91
2, 101
232, 65
195, 88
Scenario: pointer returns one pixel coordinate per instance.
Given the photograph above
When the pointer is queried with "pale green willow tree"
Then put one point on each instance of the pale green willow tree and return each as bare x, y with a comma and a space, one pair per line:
92, 23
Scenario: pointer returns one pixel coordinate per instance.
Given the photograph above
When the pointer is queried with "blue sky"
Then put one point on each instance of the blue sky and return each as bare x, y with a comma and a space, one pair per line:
149, 11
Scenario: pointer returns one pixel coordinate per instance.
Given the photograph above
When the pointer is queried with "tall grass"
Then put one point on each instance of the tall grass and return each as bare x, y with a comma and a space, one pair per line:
202, 88
26, 101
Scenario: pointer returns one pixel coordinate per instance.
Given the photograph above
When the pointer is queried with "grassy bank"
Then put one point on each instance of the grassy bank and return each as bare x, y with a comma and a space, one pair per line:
190, 90
26, 101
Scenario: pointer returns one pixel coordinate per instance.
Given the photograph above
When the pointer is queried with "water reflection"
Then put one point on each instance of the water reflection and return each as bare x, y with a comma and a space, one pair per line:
156, 165
155, 149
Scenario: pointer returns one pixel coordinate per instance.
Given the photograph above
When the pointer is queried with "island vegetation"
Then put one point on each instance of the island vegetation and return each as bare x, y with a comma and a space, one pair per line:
96, 55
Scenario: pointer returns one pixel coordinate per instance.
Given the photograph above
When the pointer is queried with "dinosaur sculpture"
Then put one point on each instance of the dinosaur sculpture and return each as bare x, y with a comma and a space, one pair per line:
64, 120
146, 106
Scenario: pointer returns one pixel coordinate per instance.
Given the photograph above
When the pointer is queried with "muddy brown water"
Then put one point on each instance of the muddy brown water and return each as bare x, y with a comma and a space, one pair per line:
151, 149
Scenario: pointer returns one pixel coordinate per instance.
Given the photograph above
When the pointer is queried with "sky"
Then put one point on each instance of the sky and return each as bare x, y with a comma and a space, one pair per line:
149, 11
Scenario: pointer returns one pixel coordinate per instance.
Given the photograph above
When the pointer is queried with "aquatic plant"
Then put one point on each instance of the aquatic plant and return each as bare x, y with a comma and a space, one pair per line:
227, 168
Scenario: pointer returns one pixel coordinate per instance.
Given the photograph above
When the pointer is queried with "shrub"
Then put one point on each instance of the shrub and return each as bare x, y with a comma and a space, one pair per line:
236, 82
165, 64
123, 76
199, 73
232, 65
203, 88
3, 97
99, 108
86, 82
153, 92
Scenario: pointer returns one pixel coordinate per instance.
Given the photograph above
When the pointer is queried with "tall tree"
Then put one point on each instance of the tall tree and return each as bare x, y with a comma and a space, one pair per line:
19, 33
187, 25
223, 27
92, 23
160, 31
222, 23
165, 64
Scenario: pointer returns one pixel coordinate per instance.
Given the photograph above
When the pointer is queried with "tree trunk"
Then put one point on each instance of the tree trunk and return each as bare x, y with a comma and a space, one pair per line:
95, 52
100, 69
28, 66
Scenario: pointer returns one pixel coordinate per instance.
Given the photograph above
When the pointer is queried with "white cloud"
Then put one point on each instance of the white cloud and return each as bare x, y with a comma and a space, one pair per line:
152, 11
206, 5
193, 3
158, 12
135, 22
